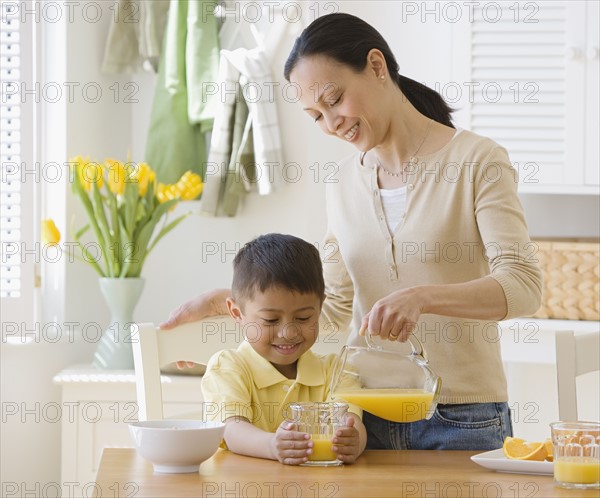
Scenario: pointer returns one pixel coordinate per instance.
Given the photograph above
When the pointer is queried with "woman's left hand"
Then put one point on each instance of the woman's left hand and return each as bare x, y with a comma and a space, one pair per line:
395, 316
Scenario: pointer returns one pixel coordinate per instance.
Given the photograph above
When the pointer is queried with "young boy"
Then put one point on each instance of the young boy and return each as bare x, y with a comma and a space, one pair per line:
277, 293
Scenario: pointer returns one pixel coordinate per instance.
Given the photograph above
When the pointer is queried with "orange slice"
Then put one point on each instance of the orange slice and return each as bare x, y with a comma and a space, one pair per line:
519, 449
549, 450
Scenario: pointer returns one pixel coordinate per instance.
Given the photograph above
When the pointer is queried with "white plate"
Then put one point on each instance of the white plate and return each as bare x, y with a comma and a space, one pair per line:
496, 460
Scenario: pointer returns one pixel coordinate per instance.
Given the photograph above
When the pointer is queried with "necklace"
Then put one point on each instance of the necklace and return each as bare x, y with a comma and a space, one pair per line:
390, 173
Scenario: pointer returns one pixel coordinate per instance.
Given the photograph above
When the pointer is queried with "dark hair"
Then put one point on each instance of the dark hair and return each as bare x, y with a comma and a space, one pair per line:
348, 39
277, 260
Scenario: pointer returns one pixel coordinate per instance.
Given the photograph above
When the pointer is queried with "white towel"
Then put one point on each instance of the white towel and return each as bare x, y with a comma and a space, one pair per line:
250, 70
259, 92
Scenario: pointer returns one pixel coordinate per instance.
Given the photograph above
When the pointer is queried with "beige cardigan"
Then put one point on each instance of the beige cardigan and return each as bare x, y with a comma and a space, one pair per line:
463, 221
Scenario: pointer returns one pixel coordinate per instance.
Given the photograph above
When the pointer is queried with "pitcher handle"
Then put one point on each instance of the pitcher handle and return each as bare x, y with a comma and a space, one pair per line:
415, 344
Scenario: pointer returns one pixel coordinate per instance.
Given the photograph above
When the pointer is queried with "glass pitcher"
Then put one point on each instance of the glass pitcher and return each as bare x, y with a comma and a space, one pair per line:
388, 383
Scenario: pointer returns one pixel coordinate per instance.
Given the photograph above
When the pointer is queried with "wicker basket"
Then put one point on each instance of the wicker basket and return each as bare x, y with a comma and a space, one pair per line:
571, 270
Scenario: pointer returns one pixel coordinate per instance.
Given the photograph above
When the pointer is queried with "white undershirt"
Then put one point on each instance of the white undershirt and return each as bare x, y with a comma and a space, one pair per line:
394, 205
394, 201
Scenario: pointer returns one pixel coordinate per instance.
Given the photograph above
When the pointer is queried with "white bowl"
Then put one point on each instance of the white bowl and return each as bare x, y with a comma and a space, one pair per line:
176, 446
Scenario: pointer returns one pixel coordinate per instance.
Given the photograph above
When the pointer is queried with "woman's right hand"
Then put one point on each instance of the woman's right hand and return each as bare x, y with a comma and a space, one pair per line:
211, 303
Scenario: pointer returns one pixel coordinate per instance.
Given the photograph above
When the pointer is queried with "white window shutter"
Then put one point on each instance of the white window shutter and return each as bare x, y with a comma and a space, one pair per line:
17, 252
519, 62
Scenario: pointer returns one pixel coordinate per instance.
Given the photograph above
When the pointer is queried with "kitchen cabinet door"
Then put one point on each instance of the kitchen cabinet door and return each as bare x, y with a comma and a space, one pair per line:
528, 73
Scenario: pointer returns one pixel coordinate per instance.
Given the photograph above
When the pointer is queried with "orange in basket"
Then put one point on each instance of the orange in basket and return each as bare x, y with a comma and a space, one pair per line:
519, 449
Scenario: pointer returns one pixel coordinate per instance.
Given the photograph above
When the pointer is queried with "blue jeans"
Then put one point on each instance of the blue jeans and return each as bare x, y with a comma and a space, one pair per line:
476, 426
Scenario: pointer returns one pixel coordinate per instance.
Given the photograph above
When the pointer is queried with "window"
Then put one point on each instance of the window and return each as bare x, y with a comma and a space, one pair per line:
17, 254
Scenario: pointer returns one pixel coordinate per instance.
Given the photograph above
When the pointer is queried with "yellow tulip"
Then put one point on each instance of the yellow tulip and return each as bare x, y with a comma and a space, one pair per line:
88, 172
167, 192
117, 175
50, 234
144, 175
190, 186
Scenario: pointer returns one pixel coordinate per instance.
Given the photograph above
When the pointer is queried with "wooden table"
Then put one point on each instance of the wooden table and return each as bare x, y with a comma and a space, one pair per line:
123, 473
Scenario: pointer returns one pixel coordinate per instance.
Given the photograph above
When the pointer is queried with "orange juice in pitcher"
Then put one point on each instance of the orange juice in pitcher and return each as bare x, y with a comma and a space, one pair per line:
387, 383
397, 405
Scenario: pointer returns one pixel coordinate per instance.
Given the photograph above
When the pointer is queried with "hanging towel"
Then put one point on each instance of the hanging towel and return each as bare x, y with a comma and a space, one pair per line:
135, 36
241, 173
259, 92
182, 112
244, 80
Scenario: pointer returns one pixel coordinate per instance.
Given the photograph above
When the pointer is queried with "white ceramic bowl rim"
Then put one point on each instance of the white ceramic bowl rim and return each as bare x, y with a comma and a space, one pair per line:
180, 425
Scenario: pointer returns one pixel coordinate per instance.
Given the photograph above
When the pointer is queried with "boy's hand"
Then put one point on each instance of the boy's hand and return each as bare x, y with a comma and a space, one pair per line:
346, 442
290, 446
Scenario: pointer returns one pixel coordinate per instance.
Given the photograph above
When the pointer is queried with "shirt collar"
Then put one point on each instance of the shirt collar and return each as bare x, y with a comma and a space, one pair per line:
310, 370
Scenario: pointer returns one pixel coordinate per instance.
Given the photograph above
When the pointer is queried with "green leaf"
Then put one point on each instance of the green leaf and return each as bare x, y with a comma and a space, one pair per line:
166, 230
130, 200
142, 241
115, 231
127, 258
90, 260
82, 231
98, 203
87, 204
150, 199
143, 220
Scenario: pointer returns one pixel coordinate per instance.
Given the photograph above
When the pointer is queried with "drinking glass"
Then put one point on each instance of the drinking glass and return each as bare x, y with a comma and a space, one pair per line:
320, 420
576, 454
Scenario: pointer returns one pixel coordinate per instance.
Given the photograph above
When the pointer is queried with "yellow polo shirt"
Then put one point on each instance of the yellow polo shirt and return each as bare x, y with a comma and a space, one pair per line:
242, 383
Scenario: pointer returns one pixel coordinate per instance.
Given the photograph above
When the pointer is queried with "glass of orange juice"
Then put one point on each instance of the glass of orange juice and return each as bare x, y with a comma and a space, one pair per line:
576, 454
320, 420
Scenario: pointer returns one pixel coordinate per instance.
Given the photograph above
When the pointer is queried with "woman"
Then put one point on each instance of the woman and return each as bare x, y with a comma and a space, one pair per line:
430, 233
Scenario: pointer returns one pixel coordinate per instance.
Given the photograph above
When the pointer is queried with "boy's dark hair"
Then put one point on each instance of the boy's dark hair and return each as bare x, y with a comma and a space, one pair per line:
277, 260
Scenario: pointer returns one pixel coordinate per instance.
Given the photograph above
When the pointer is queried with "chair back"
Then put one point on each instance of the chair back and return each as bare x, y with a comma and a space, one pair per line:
576, 354
154, 348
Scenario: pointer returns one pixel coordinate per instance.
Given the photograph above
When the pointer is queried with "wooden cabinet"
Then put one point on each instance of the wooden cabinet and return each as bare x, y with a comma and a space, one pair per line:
98, 405
527, 75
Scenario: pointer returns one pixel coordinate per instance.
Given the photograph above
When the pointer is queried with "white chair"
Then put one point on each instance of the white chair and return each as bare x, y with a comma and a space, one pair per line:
154, 348
575, 355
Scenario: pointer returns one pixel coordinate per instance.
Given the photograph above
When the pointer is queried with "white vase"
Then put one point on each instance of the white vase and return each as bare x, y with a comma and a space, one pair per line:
114, 349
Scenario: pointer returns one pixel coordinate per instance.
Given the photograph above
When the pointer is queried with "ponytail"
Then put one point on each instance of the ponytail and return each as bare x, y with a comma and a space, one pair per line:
425, 100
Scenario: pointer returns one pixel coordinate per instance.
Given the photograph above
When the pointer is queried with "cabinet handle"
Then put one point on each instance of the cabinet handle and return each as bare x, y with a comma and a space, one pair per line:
572, 53
592, 53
